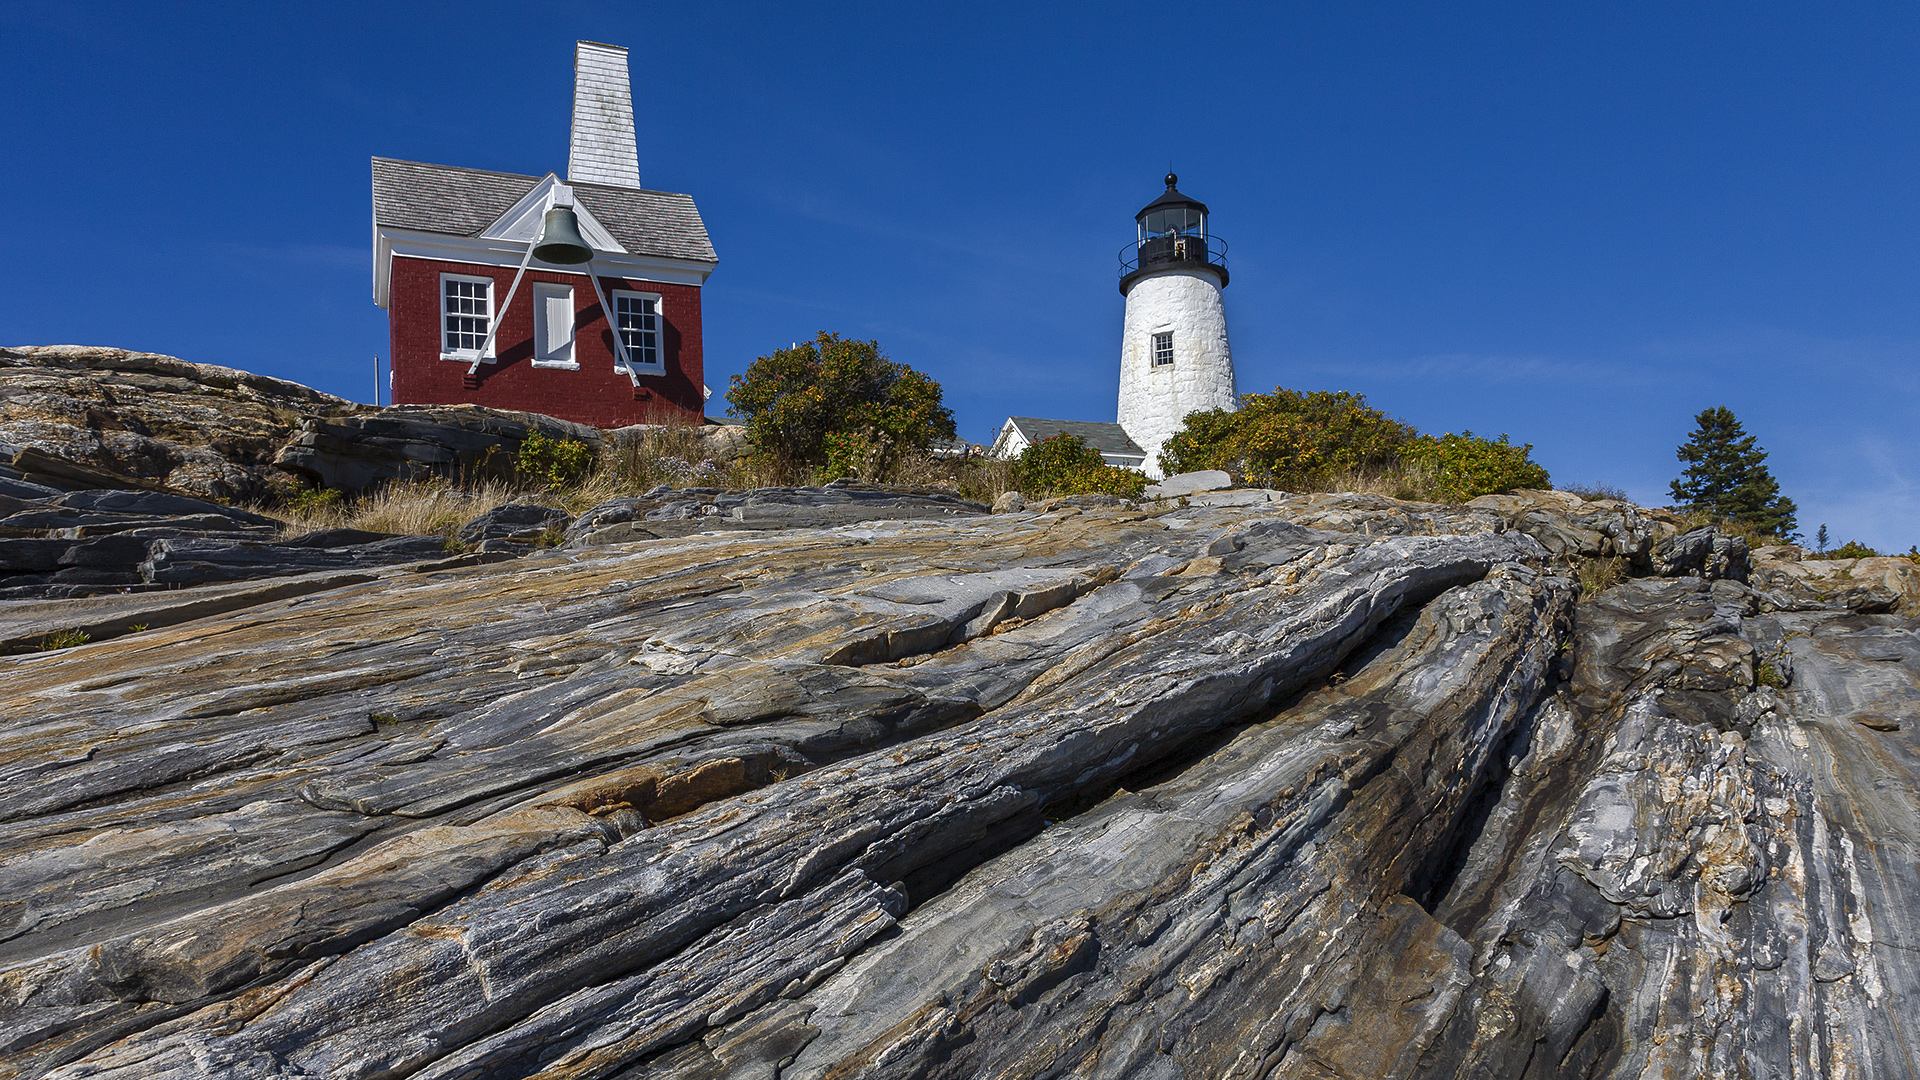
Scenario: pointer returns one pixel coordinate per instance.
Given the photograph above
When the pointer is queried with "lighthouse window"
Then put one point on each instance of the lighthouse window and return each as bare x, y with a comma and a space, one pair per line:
1163, 349
639, 318
466, 311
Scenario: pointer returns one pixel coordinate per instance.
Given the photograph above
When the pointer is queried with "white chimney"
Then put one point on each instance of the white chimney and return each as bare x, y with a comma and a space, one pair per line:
602, 150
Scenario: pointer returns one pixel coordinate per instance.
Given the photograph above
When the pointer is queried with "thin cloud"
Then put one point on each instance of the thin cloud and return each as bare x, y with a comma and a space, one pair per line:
1481, 368
1888, 362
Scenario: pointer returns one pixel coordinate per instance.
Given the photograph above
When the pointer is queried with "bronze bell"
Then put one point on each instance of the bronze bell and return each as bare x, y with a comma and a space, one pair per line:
560, 241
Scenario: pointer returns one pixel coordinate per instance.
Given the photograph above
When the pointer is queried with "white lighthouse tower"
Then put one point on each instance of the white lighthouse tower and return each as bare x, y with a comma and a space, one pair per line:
1174, 358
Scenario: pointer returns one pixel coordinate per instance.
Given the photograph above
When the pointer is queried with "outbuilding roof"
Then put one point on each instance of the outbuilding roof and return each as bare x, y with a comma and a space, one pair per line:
1107, 437
462, 202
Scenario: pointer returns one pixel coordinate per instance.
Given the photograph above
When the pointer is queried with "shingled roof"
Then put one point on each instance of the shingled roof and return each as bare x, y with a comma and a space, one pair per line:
462, 202
1112, 440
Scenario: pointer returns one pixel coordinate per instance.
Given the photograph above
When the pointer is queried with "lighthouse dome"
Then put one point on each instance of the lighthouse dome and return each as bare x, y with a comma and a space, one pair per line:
1172, 235
1173, 212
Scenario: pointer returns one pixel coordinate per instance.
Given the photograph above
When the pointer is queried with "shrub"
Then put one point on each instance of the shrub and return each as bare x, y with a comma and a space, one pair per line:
1852, 549
838, 406
1466, 466
1289, 439
1066, 465
1315, 440
313, 501
557, 463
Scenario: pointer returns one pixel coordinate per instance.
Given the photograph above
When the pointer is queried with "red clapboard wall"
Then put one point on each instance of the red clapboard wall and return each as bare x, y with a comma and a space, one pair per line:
595, 394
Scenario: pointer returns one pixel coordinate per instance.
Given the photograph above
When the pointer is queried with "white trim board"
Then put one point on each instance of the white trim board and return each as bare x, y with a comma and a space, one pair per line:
393, 243
523, 220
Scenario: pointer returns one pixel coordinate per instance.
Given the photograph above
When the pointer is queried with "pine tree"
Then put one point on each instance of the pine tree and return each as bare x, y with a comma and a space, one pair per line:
1727, 477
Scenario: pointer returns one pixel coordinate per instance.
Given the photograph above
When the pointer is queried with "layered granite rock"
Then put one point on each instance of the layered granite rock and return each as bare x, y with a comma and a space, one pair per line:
97, 416
670, 512
360, 450
1872, 585
1326, 786
95, 542
78, 417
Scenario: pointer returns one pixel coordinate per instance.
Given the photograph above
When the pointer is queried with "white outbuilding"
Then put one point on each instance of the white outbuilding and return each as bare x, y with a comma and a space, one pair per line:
1110, 439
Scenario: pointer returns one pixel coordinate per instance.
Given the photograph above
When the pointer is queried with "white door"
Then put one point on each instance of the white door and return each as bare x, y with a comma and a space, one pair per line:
553, 324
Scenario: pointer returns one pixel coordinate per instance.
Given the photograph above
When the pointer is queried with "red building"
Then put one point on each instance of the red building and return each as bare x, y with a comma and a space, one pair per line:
478, 316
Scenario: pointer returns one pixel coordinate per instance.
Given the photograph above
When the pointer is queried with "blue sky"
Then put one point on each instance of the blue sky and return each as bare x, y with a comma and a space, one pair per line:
1578, 224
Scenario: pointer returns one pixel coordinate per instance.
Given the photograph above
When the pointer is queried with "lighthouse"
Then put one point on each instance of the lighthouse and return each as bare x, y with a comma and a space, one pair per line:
1174, 358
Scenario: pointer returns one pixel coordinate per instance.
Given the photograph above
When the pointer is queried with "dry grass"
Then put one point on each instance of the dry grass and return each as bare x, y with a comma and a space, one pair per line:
1598, 575
678, 458
1408, 481
981, 479
432, 507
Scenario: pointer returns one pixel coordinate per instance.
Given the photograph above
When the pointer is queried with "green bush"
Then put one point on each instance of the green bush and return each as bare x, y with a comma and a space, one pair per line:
1308, 441
1852, 549
1466, 466
1066, 465
1289, 439
837, 406
314, 500
557, 463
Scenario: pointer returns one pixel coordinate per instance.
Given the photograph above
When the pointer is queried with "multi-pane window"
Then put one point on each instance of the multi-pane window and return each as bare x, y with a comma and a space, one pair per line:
466, 310
639, 318
1163, 348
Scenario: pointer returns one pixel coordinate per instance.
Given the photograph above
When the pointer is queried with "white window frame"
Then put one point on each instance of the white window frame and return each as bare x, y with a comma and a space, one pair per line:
542, 291
1154, 341
640, 367
464, 356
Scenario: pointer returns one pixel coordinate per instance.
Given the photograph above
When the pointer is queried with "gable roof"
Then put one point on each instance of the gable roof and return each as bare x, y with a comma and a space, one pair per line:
1107, 437
461, 202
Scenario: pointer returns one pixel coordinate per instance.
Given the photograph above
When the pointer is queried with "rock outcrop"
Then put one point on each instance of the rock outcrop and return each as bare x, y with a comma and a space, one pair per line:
1318, 786
93, 542
78, 417
669, 512
196, 428
361, 450
1871, 585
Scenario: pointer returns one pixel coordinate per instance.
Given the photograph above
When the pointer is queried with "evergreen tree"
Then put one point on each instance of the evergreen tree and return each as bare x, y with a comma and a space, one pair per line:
1727, 477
